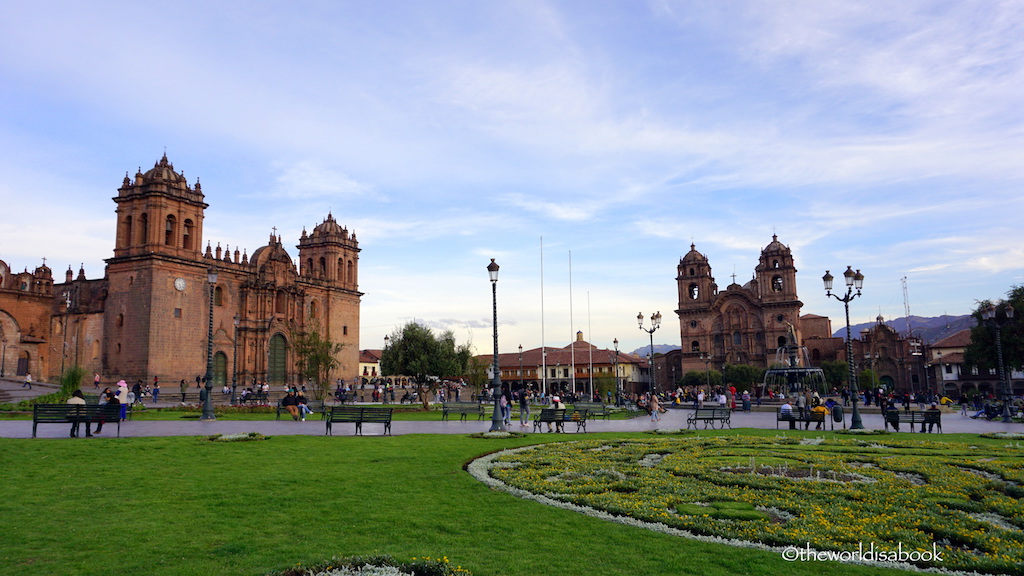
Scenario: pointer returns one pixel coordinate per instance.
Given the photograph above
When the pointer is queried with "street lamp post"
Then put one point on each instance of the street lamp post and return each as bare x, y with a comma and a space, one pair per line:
497, 419
707, 368
234, 361
618, 384
521, 385
208, 415
64, 331
854, 281
655, 324
989, 315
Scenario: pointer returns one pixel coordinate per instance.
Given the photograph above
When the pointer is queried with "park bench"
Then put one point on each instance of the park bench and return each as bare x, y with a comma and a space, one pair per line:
315, 405
594, 409
462, 409
894, 418
794, 418
360, 415
558, 417
710, 416
69, 413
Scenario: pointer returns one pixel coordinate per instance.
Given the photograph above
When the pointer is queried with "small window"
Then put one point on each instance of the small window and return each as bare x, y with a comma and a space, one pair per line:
344, 330
218, 296
177, 312
695, 346
777, 284
694, 291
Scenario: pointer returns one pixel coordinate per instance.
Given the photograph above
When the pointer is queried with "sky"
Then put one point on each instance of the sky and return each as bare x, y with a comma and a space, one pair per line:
584, 145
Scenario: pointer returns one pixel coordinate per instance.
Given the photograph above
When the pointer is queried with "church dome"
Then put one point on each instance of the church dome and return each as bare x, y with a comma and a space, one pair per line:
329, 227
693, 257
775, 247
163, 170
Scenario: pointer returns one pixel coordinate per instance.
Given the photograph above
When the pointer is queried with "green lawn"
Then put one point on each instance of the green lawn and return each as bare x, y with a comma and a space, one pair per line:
181, 506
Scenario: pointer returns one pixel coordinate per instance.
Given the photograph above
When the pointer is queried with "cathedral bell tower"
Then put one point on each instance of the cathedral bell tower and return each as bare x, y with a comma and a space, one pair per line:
159, 213
697, 292
776, 274
330, 254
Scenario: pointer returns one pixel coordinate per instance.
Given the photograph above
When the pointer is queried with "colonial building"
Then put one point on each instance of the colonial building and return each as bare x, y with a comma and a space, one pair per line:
741, 324
580, 366
149, 316
26, 305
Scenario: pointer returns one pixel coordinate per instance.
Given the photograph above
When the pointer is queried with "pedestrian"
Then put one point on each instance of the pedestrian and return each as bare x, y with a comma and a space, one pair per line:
79, 417
156, 391
28, 381
122, 398
524, 407
655, 406
184, 389
96, 380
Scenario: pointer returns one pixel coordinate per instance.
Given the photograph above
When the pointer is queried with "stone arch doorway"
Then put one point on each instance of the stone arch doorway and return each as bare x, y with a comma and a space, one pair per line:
220, 369
277, 365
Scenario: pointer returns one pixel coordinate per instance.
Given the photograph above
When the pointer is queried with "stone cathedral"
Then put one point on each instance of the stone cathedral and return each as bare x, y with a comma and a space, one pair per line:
149, 316
741, 324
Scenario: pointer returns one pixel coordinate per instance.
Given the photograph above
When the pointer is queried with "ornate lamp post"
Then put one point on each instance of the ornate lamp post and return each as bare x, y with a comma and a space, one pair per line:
208, 415
497, 419
655, 324
234, 361
706, 357
989, 316
854, 281
618, 384
521, 385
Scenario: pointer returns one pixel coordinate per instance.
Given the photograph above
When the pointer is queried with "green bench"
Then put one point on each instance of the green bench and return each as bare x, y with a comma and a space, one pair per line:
359, 415
69, 413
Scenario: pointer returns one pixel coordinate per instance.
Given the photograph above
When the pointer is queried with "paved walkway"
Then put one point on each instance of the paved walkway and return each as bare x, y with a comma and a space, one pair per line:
313, 426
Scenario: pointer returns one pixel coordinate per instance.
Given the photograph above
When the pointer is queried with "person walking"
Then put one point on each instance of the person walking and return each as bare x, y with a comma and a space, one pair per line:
156, 391
524, 407
655, 406
184, 389
28, 381
122, 398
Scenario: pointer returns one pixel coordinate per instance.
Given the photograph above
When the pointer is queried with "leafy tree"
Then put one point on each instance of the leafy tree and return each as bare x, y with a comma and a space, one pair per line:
982, 353
415, 351
700, 378
836, 373
317, 357
867, 379
743, 375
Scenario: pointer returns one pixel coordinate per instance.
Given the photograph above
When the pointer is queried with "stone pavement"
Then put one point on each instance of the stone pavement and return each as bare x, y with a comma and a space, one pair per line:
10, 390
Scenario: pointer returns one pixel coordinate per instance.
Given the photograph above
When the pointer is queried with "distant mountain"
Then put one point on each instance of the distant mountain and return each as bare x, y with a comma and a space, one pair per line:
643, 351
930, 330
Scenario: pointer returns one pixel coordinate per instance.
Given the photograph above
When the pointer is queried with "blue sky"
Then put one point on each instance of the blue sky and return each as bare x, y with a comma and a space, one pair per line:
884, 135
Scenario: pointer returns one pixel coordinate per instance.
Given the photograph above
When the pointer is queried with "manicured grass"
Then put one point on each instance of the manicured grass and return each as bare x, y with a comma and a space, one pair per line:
186, 506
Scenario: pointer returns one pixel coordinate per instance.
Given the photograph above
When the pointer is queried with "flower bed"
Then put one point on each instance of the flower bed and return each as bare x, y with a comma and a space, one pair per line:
832, 494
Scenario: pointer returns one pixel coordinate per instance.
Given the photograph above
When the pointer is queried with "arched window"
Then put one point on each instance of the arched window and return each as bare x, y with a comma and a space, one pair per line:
737, 339
775, 263
351, 278
313, 310
777, 284
144, 228
341, 270
218, 296
694, 291
322, 271
170, 229
695, 346
127, 231
277, 360
186, 236
782, 341
691, 271
309, 267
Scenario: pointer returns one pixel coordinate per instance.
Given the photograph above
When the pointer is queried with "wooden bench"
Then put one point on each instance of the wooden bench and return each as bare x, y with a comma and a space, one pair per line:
710, 416
462, 409
315, 405
69, 413
360, 415
926, 418
558, 417
794, 418
594, 409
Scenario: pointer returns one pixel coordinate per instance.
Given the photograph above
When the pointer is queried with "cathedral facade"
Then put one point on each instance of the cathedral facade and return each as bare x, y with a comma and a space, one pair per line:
149, 316
741, 324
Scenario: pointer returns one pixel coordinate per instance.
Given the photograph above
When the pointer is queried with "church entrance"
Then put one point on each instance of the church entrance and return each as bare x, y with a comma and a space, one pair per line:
220, 369
276, 363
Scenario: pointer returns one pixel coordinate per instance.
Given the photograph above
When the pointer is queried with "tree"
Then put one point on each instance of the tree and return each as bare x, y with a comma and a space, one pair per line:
700, 378
981, 352
317, 357
415, 351
836, 373
743, 376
